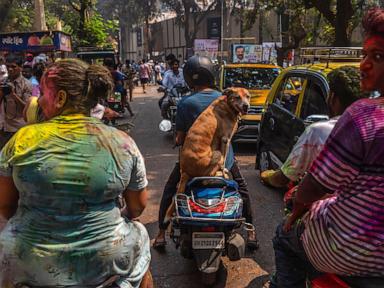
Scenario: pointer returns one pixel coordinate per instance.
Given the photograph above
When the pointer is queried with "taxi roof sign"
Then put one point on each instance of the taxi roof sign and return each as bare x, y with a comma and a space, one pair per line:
330, 54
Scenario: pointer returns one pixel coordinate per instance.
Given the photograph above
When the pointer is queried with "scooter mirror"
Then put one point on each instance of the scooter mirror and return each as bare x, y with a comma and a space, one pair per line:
165, 125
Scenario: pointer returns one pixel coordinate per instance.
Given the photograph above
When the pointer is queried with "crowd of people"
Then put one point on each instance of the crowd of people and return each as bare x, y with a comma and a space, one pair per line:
72, 187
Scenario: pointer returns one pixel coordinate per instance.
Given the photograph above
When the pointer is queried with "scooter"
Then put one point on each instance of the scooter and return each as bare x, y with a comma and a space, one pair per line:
204, 227
168, 106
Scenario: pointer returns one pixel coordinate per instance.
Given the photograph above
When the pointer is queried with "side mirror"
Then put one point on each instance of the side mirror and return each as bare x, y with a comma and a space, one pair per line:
165, 125
315, 118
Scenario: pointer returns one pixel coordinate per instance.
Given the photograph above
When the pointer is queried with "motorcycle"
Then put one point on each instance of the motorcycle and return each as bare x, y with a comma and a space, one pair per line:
205, 226
168, 106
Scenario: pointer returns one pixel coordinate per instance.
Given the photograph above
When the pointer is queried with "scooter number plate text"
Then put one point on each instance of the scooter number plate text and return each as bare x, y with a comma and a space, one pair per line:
208, 240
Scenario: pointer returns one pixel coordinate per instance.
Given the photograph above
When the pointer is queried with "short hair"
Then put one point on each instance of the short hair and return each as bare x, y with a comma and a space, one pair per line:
373, 22
14, 58
170, 57
344, 82
108, 62
242, 47
173, 61
27, 66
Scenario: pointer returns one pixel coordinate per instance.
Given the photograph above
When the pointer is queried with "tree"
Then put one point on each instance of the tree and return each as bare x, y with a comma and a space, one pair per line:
5, 8
83, 8
190, 14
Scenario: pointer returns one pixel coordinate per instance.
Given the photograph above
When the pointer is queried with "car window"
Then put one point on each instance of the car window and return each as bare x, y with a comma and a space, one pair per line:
288, 93
314, 102
250, 78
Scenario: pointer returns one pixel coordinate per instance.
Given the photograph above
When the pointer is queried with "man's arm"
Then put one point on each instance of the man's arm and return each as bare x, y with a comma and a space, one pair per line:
136, 202
180, 137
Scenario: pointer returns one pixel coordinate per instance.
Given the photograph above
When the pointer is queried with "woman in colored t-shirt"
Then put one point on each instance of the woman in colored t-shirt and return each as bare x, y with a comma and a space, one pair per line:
63, 183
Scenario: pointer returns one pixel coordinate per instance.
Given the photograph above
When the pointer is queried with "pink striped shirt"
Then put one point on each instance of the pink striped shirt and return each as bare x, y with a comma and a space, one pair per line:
344, 234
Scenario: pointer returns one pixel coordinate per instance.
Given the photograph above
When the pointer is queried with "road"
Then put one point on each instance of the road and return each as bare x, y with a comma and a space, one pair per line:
170, 269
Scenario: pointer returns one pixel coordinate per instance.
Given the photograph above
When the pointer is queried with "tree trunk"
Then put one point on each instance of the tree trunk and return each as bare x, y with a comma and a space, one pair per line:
187, 17
5, 7
261, 23
39, 21
344, 14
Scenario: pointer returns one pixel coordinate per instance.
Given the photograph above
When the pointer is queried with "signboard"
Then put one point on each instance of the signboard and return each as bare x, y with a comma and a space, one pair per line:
206, 47
139, 38
246, 53
36, 41
269, 51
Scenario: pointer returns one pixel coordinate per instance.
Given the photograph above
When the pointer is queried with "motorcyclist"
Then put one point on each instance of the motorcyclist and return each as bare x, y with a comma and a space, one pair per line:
198, 74
171, 79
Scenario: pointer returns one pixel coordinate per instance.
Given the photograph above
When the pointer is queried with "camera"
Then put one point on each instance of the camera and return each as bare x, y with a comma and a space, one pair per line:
6, 89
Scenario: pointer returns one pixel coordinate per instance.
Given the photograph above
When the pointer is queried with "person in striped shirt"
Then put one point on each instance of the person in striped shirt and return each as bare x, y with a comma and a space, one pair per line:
344, 232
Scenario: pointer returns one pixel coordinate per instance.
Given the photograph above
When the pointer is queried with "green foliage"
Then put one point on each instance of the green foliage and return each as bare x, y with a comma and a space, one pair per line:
97, 31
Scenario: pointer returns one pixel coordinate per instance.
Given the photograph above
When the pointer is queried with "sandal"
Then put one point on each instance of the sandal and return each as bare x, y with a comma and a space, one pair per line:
159, 244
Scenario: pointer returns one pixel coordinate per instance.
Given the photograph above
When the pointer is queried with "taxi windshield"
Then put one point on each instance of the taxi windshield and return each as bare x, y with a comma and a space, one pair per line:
250, 78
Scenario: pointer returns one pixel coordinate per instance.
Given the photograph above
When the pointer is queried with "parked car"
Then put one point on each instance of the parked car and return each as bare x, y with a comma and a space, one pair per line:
258, 79
297, 99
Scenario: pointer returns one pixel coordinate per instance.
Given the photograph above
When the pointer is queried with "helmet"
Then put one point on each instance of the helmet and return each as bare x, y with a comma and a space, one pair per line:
199, 70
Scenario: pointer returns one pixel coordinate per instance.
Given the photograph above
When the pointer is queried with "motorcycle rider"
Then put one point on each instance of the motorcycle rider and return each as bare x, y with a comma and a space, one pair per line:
342, 234
171, 79
344, 90
198, 74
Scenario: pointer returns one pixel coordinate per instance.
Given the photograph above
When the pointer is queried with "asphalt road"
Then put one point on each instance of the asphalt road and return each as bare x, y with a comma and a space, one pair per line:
170, 269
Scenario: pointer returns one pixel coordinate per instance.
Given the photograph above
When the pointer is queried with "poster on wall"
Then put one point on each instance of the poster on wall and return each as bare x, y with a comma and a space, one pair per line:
269, 51
206, 47
246, 53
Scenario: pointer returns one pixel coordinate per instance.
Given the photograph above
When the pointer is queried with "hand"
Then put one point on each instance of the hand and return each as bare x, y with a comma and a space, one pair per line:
288, 223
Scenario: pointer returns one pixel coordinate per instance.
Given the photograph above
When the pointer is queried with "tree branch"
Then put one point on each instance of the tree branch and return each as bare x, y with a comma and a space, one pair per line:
204, 13
74, 5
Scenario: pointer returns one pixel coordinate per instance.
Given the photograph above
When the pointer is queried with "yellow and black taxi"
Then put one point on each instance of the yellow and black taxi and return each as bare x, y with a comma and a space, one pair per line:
258, 79
297, 98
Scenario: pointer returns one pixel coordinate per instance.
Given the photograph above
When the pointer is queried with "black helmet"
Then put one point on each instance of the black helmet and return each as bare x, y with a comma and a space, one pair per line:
199, 70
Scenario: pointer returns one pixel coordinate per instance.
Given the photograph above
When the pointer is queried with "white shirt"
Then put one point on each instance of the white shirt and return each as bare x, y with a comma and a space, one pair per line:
171, 79
309, 145
3, 73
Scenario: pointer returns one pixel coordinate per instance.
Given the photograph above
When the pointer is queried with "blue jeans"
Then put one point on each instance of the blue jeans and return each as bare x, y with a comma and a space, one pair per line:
292, 264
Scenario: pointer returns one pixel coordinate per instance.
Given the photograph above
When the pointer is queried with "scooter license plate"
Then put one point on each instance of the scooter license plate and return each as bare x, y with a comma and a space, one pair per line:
208, 240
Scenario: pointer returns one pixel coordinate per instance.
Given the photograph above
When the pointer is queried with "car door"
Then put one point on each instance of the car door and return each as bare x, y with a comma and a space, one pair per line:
280, 125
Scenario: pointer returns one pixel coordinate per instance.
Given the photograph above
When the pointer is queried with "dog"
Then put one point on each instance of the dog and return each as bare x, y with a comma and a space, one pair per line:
207, 142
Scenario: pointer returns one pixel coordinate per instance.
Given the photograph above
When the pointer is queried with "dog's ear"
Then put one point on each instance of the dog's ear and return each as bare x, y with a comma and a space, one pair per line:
228, 92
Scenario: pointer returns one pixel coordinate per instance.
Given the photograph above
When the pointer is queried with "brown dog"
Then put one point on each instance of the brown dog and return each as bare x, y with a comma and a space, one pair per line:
207, 142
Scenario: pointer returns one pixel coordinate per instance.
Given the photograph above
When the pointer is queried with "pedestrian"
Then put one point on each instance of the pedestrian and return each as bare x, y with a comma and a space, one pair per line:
3, 70
144, 73
119, 89
129, 85
66, 225
27, 71
37, 72
337, 221
13, 98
